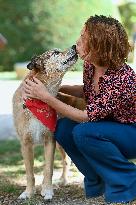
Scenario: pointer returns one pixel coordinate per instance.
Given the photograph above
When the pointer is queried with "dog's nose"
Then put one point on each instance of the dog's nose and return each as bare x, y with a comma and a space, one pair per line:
29, 66
74, 47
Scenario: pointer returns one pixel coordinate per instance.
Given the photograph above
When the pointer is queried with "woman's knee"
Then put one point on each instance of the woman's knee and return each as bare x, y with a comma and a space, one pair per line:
84, 131
78, 135
64, 129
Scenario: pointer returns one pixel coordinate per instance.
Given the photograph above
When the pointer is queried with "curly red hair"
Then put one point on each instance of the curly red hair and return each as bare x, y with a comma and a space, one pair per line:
108, 41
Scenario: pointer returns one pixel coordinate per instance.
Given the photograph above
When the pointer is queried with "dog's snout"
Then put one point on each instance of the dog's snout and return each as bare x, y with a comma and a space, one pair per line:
74, 47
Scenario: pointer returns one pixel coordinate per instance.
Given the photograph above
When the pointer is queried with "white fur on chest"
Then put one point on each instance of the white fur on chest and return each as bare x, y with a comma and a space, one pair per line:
37, 130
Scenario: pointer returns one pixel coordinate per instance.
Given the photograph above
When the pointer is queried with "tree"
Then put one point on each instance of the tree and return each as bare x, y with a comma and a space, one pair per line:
128, 15
33, 26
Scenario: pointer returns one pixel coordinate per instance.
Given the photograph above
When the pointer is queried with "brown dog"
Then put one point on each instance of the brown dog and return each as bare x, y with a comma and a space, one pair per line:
49, 67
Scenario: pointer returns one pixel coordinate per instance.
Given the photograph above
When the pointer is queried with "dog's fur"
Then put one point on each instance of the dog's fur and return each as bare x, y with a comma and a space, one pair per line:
49, 68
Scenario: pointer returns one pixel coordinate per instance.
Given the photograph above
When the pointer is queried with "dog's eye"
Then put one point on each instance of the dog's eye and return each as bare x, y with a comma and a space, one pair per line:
56, 52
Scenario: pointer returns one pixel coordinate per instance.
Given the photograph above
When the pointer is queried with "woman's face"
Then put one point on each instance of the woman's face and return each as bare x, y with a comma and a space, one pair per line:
82, 44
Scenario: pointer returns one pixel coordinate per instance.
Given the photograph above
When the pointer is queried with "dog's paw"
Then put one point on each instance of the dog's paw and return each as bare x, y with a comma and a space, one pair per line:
26, 195
47, 193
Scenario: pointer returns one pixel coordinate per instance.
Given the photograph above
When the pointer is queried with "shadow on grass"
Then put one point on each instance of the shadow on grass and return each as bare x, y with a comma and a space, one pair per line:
12, 169
11, 160
21, 171
8, 186
10, 153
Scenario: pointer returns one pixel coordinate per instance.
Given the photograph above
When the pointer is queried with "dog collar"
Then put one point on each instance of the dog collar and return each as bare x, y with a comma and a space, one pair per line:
43, 112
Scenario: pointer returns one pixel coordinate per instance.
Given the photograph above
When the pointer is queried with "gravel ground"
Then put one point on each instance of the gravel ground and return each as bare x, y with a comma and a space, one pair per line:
68, 195
64, 195
72, 194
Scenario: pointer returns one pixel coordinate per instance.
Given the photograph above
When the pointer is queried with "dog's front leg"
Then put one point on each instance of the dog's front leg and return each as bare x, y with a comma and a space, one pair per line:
49, 150
27, 152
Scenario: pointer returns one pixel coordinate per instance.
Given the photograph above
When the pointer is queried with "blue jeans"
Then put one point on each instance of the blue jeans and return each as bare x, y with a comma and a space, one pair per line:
101, 150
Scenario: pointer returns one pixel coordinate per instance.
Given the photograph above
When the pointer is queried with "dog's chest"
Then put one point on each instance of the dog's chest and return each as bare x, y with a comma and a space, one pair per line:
37, 130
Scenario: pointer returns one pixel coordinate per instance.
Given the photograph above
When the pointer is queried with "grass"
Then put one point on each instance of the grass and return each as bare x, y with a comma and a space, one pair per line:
12, 166
8, 75
11, 160
12, 171
11, 188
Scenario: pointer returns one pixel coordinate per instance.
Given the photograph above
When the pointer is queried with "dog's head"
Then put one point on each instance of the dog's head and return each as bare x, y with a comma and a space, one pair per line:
53, 61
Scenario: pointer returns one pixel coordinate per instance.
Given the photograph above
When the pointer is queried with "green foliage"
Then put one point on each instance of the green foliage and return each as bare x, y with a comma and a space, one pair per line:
32, 27
128, 16
8, 187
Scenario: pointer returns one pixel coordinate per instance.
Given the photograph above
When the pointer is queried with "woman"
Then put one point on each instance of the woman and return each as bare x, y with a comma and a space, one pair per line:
101, 139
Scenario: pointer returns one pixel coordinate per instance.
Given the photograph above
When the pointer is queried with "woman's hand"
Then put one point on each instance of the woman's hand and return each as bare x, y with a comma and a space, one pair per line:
34, 89
37, 90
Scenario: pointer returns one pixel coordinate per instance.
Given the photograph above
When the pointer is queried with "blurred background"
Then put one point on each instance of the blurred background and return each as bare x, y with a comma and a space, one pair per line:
32, 26
29, 27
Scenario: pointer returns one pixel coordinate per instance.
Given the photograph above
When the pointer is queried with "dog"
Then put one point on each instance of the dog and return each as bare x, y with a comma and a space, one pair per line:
49, 68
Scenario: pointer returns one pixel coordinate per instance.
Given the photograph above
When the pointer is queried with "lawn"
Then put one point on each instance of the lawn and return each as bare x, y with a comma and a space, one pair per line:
12, 170
8, 75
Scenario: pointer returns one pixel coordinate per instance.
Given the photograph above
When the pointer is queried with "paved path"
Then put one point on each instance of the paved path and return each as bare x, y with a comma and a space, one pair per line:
7, 89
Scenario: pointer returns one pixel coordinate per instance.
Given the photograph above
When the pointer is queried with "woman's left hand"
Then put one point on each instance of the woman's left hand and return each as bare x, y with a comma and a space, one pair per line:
34, 89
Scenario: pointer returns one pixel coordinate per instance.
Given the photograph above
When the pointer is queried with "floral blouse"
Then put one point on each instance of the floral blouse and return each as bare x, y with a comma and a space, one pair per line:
116, 98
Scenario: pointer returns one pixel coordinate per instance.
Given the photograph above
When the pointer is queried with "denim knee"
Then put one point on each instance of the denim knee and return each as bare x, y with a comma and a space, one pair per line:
78, 135
63, 131
59, 133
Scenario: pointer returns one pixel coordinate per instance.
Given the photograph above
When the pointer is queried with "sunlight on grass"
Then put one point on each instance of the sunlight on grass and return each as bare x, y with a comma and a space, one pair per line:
8, 75
7, 186
11, 160
12, 169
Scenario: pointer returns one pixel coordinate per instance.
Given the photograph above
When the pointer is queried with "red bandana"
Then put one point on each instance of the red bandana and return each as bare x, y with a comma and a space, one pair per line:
46, 114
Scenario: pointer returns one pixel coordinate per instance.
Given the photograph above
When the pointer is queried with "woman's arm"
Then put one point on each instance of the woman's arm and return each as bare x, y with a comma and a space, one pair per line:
66, 110
74, 90
37, 90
